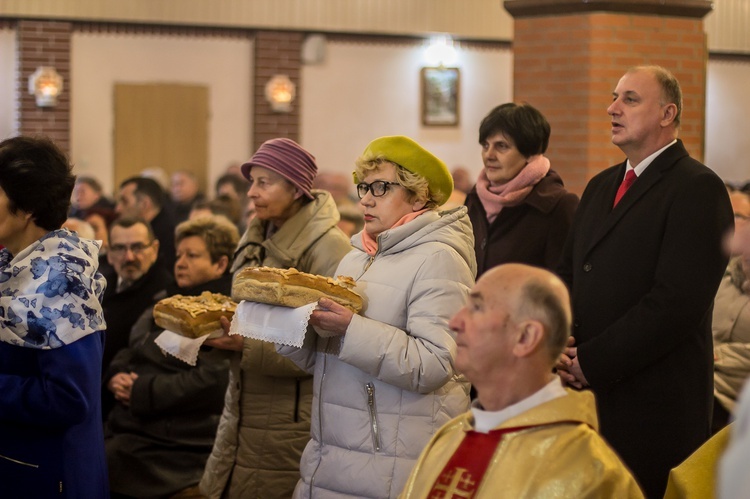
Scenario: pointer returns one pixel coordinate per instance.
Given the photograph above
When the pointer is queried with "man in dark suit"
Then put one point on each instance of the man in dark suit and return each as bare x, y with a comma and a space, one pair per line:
643, 272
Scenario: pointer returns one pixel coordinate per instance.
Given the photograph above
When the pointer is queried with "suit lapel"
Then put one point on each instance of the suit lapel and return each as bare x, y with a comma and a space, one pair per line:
607, 217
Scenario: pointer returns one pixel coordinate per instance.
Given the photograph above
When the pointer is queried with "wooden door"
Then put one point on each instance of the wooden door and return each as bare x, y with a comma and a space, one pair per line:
160, 126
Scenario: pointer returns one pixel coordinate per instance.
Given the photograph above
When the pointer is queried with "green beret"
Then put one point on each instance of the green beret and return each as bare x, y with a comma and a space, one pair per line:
404, 152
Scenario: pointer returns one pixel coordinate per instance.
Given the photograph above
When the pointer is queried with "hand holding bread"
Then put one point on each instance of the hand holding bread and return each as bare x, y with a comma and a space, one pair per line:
331, 317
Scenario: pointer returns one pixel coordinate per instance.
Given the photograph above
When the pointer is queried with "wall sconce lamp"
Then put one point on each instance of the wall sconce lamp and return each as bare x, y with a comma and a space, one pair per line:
441, 52
280, 92
46, 85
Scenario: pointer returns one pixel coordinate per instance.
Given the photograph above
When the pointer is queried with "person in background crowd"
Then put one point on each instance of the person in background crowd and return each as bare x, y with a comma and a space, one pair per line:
135, 281
100, 220
741, 207
352, 221
338, 184
519, 207
384, 382
81, 227
236, 186
509, 334
731, 335
232, 185
162, 429
51, 332
462, 181
88, 194
733, 480
461, 186
142, 197
223, 205
266, 419
184, 191
643, 262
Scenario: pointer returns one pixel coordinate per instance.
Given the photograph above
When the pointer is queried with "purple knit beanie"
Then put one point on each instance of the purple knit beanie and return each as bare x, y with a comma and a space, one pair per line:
288, 159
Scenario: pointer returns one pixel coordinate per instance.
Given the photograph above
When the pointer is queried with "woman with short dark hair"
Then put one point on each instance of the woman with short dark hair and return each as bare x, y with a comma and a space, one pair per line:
51, 332
519, 207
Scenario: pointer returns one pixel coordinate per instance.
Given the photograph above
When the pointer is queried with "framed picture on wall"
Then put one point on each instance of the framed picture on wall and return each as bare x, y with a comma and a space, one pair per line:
440, 96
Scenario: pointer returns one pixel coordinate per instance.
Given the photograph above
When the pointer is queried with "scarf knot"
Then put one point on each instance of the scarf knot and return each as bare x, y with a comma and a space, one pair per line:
369, 243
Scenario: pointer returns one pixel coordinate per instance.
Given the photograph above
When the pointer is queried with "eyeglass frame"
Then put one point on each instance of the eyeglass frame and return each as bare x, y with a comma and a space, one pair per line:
368, 188
135, 248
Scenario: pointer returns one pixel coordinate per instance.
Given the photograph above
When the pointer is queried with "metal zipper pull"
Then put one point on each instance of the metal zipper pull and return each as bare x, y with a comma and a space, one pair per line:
370, 389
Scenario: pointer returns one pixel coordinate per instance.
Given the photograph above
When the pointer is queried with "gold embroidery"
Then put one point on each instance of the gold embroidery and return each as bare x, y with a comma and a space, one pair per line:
454, 484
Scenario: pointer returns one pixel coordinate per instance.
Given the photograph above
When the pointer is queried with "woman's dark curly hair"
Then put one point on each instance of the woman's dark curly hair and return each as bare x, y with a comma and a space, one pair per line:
37, 179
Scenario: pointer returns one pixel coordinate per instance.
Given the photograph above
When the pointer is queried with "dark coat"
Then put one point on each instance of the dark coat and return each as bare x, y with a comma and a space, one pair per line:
533, 232
121, 310
163, 226
643, 277
50, 427
159, 444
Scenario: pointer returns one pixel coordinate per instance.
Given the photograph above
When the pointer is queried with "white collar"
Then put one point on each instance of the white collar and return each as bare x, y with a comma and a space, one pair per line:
484, 421
647, 160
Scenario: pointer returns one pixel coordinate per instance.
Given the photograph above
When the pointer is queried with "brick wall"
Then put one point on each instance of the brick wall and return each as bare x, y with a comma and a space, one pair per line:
568, 65
44, 43
276, 52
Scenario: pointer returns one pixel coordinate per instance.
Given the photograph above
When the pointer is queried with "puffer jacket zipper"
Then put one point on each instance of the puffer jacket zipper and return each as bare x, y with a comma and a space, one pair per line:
374, 429
320, 420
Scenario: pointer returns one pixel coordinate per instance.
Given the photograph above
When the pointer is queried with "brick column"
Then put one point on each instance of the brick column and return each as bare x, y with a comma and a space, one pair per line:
276, 52
569, 55
44, 43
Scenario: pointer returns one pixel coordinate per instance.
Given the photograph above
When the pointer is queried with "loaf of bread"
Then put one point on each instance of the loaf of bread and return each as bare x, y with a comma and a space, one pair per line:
194, 316
292, 288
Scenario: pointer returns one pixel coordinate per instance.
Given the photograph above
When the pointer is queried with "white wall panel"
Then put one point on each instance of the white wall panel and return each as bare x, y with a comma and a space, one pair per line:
727, 26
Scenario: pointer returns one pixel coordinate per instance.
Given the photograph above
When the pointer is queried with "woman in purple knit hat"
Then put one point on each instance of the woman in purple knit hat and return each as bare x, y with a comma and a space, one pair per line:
266, 419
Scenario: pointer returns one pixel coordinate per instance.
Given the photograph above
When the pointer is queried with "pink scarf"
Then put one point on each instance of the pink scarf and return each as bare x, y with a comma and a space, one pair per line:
513, 192
371, 245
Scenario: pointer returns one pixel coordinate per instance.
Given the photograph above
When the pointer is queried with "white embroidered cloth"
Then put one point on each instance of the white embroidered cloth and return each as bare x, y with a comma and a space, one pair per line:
282, 325
181, 347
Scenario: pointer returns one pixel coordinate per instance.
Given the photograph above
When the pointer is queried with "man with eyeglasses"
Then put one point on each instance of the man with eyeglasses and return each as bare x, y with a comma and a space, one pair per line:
135, 282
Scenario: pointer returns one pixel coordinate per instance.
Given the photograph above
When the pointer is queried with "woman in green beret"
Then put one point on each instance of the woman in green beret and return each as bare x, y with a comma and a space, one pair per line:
384, 380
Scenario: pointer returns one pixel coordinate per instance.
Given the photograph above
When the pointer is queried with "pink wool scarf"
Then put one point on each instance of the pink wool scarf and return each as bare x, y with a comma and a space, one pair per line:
371, 245
513, 192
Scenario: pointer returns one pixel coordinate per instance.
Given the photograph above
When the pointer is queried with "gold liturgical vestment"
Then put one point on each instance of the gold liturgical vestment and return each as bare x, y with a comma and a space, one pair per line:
553, 451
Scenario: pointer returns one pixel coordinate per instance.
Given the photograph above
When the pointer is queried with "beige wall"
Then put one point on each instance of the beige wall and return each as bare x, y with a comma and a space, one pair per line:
364, 91
101, 60
359, 92
7, 82
727, 111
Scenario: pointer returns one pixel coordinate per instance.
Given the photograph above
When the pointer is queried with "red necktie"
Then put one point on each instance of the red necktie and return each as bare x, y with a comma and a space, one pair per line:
630, 177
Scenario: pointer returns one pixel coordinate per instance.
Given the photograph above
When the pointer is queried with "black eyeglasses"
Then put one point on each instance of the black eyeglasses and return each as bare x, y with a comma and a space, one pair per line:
378, 188
136, 248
